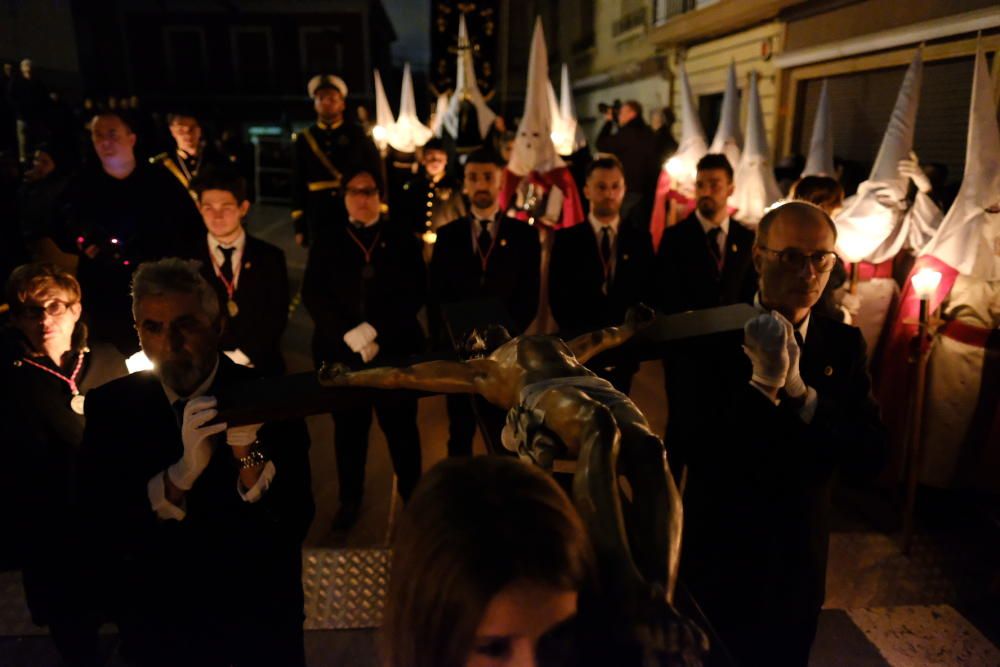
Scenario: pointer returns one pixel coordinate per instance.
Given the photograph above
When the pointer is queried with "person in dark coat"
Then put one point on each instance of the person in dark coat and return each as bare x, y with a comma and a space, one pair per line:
47, 368
117, 215
767, 419
431, 199
483, 256
632, 141
363, 290
323, 154
196, 527
249, 275
601, 267
192, 153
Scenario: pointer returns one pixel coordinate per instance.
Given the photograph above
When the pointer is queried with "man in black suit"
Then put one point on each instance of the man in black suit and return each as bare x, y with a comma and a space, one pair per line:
704, 261
363, 291
767, 419
197, 527
485, 255
601, 267
248, 274
626, 135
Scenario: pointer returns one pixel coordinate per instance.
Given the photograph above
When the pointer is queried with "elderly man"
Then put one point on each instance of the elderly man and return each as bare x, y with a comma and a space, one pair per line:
197, 528
767, 420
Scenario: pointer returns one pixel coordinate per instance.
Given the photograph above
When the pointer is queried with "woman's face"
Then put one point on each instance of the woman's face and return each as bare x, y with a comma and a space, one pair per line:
515, 619
48, 319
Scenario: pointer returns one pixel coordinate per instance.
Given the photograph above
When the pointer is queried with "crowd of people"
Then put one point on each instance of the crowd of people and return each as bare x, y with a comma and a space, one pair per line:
187, 532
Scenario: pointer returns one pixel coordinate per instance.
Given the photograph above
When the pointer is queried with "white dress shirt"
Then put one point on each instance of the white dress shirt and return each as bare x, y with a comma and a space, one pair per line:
707, 226
218, 258
598, 227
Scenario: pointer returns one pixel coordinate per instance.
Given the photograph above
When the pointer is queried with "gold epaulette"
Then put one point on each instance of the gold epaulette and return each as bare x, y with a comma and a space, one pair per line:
159, 158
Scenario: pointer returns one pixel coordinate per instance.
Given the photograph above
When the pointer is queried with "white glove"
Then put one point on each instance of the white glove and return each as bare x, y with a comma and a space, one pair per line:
764, 341
242, 436
911, 169
369, 351
197, 441
794, 386
359, 336
238, 356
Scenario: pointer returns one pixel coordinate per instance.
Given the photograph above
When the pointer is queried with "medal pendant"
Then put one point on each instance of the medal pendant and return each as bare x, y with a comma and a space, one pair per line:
76, 403
368, 272
233, 309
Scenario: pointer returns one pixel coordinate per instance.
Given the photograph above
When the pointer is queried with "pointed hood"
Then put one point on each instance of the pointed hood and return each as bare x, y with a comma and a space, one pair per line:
820, 160
755, 186
682, 165
440, 111
533, 148
969, 235
567, 111
467, 89
408, 133
728, 139
871, 227
383, 114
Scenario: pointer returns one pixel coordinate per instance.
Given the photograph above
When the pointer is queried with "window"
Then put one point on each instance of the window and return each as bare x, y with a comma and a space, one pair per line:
322, 49
253, 57
186, 61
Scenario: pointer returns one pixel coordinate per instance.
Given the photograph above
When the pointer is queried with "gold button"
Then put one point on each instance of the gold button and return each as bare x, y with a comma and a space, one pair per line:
430, 194
828, 371
429, 204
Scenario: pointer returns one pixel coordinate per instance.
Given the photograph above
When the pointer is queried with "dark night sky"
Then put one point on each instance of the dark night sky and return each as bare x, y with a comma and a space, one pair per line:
411, 19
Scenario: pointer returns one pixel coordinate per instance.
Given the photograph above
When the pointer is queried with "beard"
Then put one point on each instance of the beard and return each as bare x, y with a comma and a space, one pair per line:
707, 207
606, 210
482, 200
184, 374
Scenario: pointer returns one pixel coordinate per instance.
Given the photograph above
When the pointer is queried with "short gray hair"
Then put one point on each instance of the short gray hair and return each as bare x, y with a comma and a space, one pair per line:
177, 276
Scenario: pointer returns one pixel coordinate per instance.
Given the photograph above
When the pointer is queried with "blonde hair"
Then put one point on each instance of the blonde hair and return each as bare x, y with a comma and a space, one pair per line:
32, 281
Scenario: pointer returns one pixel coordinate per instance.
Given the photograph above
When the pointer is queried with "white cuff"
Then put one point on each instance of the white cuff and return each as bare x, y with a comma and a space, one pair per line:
257, 490
759, 387
157, 494
808, 409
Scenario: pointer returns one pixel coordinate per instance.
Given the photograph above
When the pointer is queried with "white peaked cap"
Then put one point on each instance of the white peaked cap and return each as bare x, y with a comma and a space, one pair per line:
440, 111
820, 160
533, 148
969, 236
467, 88
408, 133
755, 186
682, 166
567, 109
727, 138
383, 112
872, 227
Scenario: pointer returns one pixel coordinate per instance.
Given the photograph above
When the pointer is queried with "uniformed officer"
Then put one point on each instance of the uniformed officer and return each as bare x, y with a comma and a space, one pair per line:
192, 151
432, 198
324, 152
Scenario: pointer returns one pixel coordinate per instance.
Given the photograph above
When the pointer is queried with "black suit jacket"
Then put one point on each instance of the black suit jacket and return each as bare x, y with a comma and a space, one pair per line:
339, 298
688, 278
230, 568
511, 276
576, 276
262, 298
757, 503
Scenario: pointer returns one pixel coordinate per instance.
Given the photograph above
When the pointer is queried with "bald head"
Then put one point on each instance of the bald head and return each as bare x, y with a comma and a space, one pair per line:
795, 213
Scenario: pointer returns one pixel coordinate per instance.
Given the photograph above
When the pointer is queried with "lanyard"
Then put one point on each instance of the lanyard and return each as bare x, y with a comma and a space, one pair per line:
229, 285
71, 380
370, 249
484, 260
606, 265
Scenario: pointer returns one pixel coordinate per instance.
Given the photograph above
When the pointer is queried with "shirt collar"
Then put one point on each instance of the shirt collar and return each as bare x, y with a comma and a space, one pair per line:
238, 244
364, 225
803, 328
328, 126
173, 396
707, 225
491, 213
597, 225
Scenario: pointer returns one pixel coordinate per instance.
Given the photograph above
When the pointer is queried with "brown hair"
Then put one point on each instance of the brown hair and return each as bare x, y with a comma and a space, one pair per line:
474, 526
822, 191
30, 281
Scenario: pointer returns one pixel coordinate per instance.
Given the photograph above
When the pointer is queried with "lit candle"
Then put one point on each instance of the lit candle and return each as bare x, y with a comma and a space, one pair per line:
925, 282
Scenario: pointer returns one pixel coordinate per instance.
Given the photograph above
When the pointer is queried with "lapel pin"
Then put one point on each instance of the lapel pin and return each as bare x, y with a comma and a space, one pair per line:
503, 242
828, 371
247, 265
625, 257
734, 248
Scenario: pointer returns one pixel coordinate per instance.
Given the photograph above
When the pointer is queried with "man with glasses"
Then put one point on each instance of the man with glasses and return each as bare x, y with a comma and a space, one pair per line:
767, 419
363, 290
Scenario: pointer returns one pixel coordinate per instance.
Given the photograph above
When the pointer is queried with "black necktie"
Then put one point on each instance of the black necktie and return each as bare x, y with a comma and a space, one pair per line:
485, 240
178, 407
227, 263
713, 246
606, 246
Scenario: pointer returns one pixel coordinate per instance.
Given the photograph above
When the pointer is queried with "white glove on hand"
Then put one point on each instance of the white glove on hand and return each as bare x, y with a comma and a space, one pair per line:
238, 356
369, 351
242, 436
794, 386
911, 169
764, 341
196, 438
359, 336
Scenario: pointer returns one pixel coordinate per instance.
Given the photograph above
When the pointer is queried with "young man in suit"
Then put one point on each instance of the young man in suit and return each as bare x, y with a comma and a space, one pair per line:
704, 261
767, 419
601, 267
248, 274
196, 527
485, 255
363, 291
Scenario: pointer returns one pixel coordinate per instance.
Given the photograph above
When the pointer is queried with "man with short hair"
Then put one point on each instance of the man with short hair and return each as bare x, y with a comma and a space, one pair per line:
483, 256
363, 288
767, 419
631, 140
324, 153
119, 214
430, 199
196, 525
192, 151
601, 268
248, 274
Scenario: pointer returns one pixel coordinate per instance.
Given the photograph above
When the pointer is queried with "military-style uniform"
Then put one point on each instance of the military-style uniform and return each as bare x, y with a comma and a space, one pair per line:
325, 155
185, 167
427, 206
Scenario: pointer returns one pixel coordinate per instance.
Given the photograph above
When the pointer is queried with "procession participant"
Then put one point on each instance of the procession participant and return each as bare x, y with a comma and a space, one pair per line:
431, 199
192, 151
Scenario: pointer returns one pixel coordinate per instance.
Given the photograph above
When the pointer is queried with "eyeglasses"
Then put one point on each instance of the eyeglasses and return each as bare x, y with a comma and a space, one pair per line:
52, 308
362, 192
795, 259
